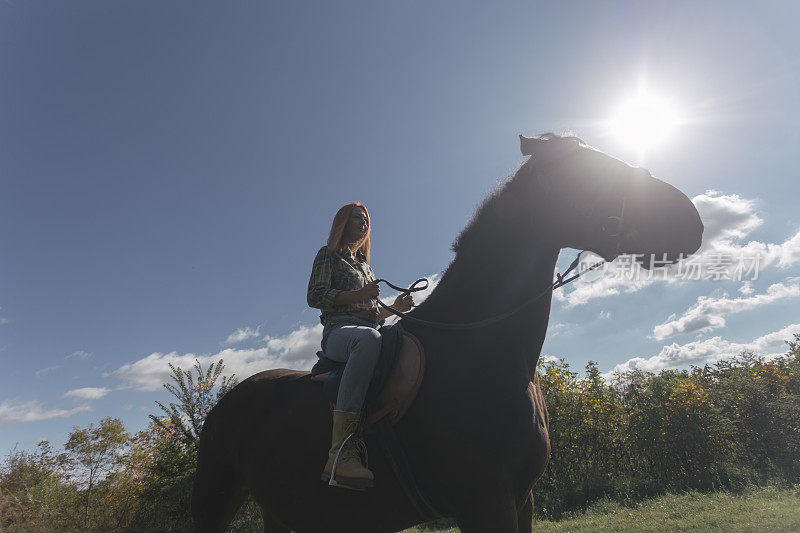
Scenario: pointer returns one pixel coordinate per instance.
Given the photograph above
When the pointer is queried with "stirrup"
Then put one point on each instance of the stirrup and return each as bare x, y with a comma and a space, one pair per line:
332, 481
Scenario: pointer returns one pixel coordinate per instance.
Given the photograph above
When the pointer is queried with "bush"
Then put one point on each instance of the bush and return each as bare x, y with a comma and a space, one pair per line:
725, 426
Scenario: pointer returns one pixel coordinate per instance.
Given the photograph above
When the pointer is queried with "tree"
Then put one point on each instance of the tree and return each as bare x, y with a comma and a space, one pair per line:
96, 451
169, 446
31, 488
195, 397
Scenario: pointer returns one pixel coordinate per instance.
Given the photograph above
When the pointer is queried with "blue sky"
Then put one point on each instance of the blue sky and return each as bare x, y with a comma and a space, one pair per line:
168, 171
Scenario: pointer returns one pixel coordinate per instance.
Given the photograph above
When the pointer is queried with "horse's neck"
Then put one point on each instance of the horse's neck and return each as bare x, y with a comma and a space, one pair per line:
489, 281
489, 277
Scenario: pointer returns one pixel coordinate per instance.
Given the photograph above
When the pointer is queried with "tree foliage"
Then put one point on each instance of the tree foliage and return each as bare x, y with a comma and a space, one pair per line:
196, 396
32, 489
108, 480
92, 453
172, 441
723, 426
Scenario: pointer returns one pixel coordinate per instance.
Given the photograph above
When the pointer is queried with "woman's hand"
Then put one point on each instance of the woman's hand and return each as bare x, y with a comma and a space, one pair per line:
370, 291
403, 302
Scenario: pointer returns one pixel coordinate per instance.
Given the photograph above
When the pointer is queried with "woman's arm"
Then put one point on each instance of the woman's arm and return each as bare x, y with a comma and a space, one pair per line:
320, 294
367, 292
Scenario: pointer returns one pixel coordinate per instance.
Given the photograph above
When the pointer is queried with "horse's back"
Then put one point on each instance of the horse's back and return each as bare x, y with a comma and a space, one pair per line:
265, 405
267, 386
276, 375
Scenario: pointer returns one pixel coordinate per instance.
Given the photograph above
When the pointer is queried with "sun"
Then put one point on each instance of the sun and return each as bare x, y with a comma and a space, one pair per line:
644, 121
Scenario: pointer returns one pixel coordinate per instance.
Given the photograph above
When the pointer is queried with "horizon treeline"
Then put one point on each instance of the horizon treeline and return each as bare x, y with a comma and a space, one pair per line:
724, 426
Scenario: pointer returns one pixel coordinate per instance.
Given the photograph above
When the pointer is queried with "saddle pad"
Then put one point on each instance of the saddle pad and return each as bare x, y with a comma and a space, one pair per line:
404, 381
402, 384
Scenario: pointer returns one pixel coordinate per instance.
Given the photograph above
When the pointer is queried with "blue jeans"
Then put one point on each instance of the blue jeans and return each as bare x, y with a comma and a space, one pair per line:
356, 342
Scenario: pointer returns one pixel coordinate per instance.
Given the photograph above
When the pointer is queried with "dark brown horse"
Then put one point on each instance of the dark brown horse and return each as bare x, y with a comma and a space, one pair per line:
476, 436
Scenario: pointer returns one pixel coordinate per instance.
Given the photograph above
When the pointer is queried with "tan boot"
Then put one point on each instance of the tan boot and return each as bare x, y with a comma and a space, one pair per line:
348, 471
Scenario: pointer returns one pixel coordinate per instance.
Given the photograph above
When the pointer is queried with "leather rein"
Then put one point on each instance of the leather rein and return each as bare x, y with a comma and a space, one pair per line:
561, 280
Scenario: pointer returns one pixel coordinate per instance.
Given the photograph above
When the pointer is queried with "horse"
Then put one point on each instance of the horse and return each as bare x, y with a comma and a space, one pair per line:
476, 436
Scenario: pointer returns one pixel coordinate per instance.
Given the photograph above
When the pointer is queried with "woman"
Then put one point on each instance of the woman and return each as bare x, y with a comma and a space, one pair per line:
343, 287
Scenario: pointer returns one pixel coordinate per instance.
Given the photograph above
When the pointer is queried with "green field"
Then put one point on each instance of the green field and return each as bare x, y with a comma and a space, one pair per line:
757, 510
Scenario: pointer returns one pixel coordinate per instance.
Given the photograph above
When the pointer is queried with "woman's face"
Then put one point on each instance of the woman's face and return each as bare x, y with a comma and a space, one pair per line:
357, 226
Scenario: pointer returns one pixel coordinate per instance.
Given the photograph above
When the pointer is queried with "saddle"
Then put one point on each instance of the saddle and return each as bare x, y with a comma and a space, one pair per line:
395, 382
398, 375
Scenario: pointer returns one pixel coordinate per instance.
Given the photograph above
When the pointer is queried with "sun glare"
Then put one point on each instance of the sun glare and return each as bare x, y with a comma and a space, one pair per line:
644, 122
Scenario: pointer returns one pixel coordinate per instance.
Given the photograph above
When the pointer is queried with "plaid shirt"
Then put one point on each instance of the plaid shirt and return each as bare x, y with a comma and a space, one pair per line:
335, 272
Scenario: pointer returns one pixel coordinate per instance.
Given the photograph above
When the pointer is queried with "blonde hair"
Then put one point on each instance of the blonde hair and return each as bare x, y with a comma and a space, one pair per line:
335, 239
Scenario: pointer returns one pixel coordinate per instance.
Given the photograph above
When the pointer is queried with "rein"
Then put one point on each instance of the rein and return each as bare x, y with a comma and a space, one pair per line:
561, 280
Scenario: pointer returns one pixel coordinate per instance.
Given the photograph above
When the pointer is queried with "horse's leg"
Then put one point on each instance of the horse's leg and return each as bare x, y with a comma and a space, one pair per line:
218, 510
525, 516
217, 495
489, 514
271, 523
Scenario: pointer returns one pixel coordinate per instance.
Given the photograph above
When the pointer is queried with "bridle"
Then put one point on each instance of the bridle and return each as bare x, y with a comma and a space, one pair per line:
561, 280
620, 223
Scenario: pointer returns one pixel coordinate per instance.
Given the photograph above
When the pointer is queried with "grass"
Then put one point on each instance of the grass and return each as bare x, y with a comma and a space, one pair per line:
756, 510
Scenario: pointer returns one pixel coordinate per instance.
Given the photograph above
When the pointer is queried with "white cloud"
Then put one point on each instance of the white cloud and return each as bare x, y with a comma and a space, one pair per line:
43, 371
728, 219
33, 411
547, 358
80, 354
788, 253
710, 351
295, 350
241, 335
88, 393
604, 315
708, 313
725, 217
3, 320
608, 285
553, 330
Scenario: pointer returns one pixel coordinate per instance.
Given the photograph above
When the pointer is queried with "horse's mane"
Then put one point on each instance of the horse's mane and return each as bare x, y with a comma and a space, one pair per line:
507, 188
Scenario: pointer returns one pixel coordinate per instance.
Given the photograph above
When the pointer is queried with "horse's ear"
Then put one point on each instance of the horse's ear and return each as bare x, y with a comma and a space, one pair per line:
527, 145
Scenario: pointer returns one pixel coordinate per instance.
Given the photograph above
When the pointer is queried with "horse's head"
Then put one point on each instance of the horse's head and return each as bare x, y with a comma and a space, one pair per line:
602, 204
